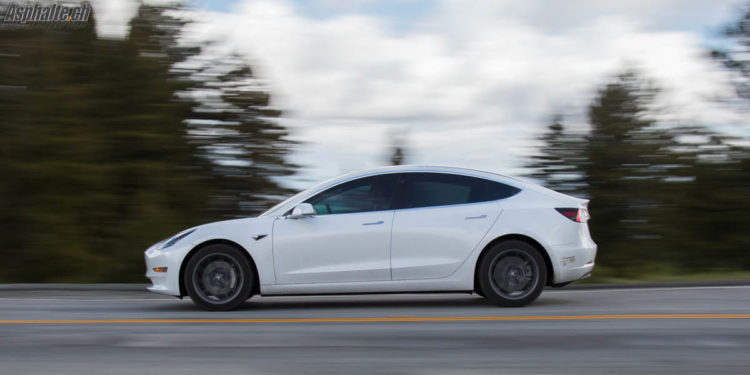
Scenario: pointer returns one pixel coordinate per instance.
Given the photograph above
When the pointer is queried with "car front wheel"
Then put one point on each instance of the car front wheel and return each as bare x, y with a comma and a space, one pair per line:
512, 274
218, 277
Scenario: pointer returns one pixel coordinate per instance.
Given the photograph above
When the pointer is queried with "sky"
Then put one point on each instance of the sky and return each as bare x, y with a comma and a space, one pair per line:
460, 83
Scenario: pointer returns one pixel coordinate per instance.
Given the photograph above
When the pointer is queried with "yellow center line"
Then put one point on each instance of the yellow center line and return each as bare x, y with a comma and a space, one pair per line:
379, 319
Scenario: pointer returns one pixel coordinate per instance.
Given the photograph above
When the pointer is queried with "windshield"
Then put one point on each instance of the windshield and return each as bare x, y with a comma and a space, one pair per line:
325, 183
285, 201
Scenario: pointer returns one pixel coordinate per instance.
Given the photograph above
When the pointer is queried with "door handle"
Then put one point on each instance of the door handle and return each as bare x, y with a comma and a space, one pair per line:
374, 223
476, 217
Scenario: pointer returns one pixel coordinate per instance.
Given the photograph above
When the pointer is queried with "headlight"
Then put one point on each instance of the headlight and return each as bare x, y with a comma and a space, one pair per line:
176, 238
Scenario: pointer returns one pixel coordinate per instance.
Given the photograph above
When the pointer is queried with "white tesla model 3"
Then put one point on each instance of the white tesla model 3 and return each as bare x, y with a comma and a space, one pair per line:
393, 229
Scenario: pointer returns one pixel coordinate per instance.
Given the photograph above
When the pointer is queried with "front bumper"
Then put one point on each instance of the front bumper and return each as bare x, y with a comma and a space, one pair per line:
165, 282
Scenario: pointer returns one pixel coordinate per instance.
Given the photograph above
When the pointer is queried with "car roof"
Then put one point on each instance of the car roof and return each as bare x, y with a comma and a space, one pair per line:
423, 168
518, 182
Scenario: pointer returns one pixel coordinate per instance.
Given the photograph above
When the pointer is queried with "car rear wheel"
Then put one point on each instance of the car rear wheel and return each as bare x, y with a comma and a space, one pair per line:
512, 274
219, 277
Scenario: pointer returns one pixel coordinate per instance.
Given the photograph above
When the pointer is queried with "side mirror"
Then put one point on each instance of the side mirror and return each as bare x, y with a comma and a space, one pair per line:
302, 210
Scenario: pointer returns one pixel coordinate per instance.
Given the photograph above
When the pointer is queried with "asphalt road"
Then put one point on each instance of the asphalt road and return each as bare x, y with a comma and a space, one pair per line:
672, 330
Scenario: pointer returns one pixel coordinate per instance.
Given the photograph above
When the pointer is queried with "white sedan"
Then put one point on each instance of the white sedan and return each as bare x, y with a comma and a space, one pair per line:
385, 230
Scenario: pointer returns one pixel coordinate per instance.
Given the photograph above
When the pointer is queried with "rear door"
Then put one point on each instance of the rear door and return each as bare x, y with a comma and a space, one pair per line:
440, 218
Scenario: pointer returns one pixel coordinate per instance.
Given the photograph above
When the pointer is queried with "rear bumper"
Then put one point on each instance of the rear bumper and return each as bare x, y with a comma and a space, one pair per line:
571, 263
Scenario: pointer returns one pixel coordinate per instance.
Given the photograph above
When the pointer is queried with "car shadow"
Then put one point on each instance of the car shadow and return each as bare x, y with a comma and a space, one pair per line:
359, 302
364, 302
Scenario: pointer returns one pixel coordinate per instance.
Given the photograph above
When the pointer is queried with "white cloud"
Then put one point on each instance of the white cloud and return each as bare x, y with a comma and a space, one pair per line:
113, 17
473, 82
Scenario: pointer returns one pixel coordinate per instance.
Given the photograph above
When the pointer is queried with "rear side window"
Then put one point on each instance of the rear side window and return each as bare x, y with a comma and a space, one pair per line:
436, 189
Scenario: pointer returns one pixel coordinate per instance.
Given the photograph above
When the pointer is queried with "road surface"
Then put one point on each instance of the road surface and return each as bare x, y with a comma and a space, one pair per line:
615, 331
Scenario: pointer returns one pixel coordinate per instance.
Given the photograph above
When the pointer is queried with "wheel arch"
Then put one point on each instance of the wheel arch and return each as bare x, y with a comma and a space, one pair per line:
256, 284
519, 237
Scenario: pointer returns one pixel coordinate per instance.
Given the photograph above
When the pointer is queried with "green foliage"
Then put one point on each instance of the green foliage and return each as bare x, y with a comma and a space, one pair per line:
96, 155
658, 199
237, 137
736, 56
558, 161
398, 149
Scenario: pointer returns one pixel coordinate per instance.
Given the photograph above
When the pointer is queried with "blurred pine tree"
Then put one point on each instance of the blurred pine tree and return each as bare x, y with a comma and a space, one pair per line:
659, 201
98, 155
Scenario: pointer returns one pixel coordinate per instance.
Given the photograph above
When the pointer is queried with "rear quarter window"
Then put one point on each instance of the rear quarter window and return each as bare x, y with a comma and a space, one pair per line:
435, 189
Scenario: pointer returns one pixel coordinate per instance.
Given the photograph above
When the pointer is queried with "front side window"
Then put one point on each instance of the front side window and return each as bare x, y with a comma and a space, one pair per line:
373, 193
436, 189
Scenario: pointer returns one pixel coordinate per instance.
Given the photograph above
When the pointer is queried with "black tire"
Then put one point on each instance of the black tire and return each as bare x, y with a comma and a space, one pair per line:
219, 277
520, 278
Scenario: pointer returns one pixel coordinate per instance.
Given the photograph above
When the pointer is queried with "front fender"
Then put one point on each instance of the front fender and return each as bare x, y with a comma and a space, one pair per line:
241, 232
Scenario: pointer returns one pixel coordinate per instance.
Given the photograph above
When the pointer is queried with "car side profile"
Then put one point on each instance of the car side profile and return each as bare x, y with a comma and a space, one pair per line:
386, 230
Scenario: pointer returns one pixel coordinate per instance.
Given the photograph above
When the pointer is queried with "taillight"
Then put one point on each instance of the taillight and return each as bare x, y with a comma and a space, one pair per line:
579, 215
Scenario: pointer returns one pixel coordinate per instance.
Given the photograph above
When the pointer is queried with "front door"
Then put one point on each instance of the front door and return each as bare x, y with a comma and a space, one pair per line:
348, 239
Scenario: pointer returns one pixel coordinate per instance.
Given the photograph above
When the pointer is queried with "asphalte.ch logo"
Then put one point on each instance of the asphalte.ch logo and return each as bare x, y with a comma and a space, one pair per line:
47, 13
